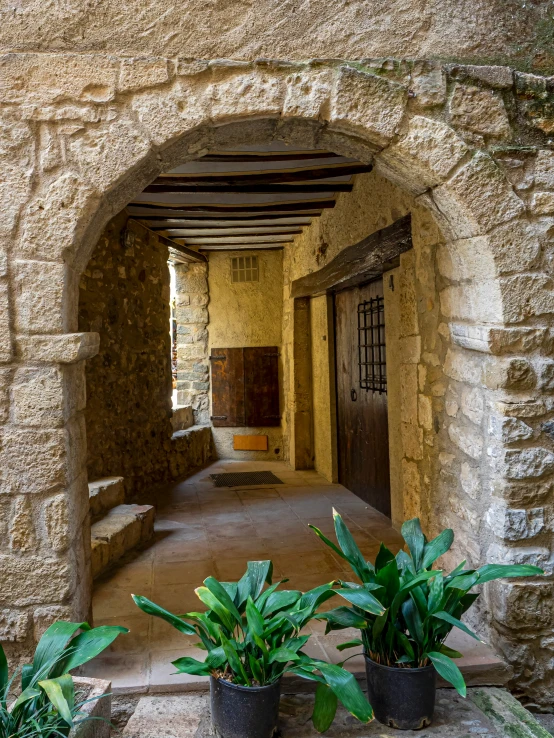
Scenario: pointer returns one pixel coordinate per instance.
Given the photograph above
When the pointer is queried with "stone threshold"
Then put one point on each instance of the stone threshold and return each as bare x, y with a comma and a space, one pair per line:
486, 712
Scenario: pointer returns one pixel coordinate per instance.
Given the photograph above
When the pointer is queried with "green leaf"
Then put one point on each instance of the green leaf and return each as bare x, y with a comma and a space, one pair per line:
188, 665
405, 562
413, 621
413, 535
313, 598
389, 578
350, 549
450, 652
343, 617
87, 645
498, 571
436, 593
4, 673
259, 572
57, 691
53, 642
150, 608
279, 600
256, 669
212, 602
456, 623
328, 542
325, 708
282, 655
349, 644
448, 671
363, 599
27, 694
234, 661
384, 557
406, 588
379, 624
347, 689
404, 641
254, 617
216, 657
464, 582
437, 547
221, 594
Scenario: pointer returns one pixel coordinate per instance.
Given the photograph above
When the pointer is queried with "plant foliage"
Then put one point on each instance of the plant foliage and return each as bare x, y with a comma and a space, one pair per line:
404, 608
39, 700
252, 637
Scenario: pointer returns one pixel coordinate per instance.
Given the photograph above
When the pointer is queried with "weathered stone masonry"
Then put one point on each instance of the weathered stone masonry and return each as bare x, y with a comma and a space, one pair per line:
82, 136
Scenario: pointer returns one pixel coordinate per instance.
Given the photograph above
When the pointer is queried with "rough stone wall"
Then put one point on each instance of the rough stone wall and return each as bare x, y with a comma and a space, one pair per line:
124, 296
191, 315
246, 314
476, 31
84, 134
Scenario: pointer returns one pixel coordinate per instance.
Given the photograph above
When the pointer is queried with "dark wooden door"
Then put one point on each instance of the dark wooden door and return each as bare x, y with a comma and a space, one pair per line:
362, 423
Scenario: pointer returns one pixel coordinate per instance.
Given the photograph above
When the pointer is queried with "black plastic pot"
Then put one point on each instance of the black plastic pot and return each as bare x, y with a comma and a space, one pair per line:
401, 698
244, 712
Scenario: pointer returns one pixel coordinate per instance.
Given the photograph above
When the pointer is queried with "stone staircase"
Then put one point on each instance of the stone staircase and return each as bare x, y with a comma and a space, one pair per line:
116, 528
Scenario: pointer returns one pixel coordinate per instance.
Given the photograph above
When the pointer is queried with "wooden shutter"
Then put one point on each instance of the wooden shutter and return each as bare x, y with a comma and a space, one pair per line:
245, 387
227, 387
261, 386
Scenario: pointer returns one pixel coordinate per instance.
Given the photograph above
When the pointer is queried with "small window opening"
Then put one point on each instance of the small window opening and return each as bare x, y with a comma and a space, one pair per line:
371, 345
245, 269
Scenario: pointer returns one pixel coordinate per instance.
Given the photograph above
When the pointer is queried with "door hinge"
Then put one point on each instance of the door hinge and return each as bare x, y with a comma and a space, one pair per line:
217, 358
273, 354
272, 417
218, 417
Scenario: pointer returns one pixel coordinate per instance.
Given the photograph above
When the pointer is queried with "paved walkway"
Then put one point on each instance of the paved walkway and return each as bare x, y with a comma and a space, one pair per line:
202, 530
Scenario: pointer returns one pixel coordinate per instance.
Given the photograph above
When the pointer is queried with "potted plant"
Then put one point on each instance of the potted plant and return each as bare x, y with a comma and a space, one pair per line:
46, 704
252, 637
405, 610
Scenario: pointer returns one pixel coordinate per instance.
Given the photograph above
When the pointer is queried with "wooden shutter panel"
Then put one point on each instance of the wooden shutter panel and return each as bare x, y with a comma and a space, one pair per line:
245, 387
227, 387
261, 386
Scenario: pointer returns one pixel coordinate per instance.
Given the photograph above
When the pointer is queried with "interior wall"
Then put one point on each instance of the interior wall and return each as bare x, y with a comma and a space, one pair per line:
246, 314
415, 348
124, 296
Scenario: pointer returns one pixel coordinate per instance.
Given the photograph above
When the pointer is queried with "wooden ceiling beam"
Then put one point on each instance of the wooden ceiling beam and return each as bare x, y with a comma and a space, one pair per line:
247, 232
253, 156
232, 209
171, 223
279, 176
237, 247
281, 189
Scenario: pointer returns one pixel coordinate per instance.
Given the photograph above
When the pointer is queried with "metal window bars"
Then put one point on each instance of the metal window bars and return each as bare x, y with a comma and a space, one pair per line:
371, 345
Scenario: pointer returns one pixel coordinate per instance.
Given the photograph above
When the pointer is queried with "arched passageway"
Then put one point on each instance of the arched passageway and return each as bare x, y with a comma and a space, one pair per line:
481, 459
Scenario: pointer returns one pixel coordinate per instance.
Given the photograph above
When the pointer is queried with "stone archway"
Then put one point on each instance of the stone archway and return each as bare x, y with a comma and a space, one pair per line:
96, 154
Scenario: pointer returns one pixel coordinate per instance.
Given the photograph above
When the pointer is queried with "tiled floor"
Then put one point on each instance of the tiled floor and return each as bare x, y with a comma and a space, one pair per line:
203, 530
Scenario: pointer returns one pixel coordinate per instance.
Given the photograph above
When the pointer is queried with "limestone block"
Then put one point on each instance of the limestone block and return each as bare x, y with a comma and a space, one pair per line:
524, 409
258, 92
475, 302
545, 371
5, 328
56, 521
527, 555
425, 154
106, 154
522, 494
167, 117
17, 148
14, 625
451, 407
47, 397
428, 84
425, 412
479, 110
515, 246
191, 315
139, 73
465, 513
411, 488
189, 279
493, 76
412, 441
509, 430
512, 374
515, 525
61, 349
308, 94
408, 390
42, 79
43, 617
22, 529
410, 349
5, 382
466, 439
39, 297
30, 580
190, 352
31, 460
473, 404
544, 169
50, 149
368, 104
463, 366
518, 605
170, 716
477, 198
526, 463
470, 480
542, 203
496, 340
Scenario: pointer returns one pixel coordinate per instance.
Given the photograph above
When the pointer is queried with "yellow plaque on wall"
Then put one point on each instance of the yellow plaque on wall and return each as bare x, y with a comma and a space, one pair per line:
250, 443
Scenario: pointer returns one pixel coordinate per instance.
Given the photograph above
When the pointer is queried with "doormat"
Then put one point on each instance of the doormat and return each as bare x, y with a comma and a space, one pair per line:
245, 479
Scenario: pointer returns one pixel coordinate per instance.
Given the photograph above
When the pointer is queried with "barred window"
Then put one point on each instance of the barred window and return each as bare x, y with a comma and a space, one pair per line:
371, 345
245, 269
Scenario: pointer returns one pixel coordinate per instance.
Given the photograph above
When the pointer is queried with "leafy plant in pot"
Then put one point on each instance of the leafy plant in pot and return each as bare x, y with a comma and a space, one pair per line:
405, 610
39, 701
252, 637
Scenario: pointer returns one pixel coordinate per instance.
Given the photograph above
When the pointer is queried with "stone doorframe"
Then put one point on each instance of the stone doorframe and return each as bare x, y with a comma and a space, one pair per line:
85, 134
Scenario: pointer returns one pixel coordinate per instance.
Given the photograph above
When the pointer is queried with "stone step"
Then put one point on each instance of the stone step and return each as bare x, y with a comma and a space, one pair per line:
123, 528
105, 494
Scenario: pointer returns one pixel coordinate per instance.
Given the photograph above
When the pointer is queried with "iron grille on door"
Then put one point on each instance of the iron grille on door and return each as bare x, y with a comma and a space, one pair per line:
371, 345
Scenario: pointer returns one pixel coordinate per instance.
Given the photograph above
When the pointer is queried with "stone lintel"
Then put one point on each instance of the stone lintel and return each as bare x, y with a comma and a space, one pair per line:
66, 348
